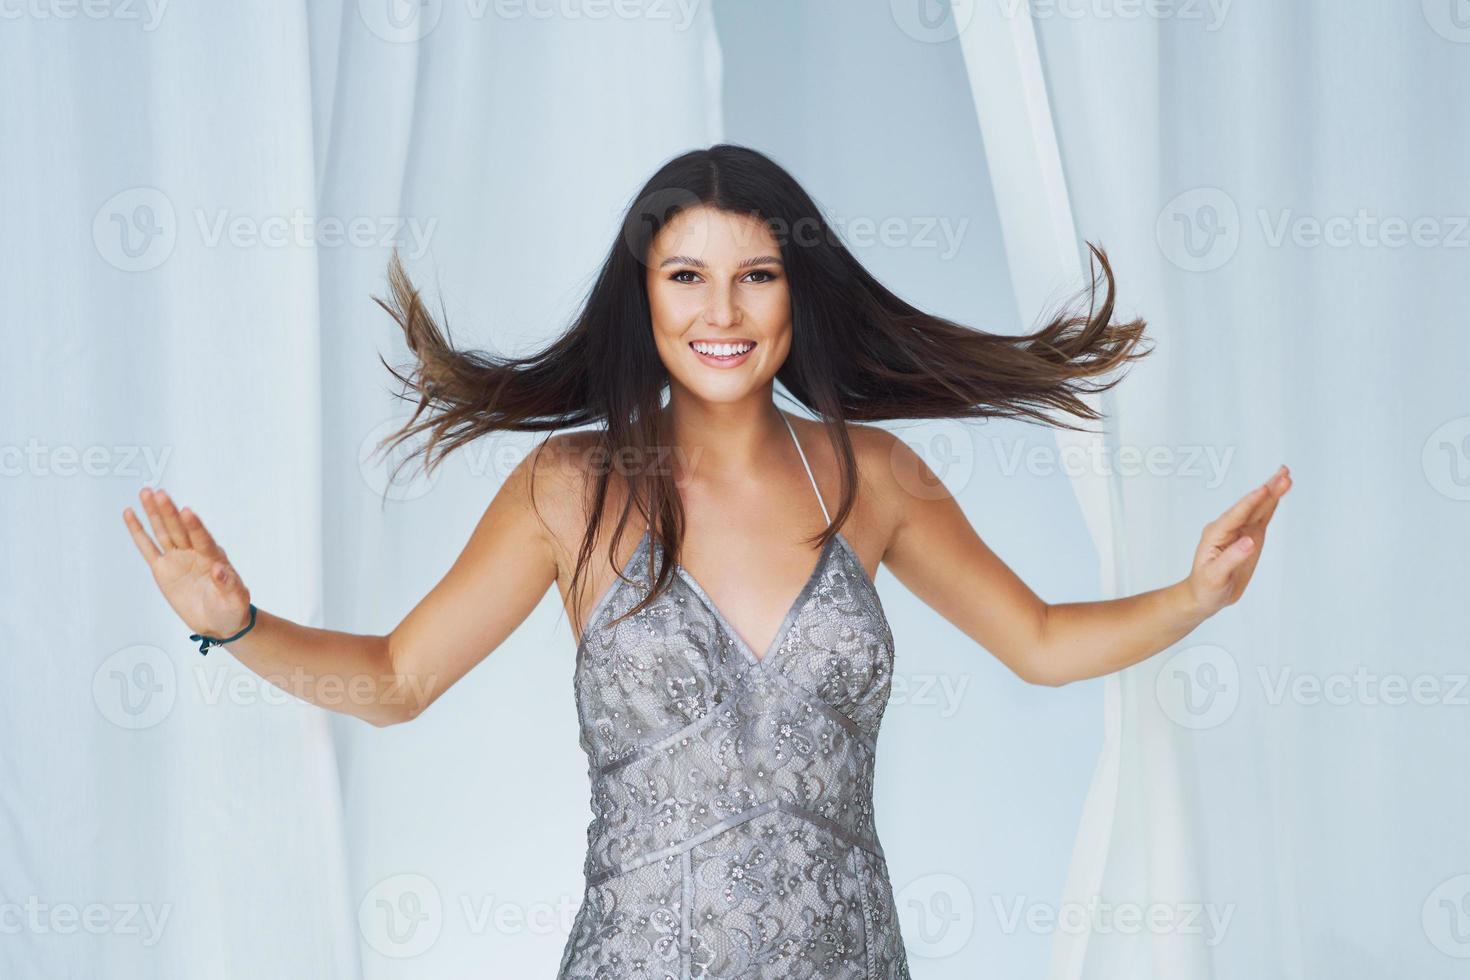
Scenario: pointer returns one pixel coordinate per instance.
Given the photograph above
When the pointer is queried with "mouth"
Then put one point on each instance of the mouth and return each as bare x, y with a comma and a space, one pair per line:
722, 353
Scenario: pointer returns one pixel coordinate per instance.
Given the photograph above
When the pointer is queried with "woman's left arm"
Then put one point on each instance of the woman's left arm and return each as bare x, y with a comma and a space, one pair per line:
935, 552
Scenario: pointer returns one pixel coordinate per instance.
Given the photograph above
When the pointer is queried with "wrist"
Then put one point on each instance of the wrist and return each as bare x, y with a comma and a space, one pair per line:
1186, 605
207, 640
245, 618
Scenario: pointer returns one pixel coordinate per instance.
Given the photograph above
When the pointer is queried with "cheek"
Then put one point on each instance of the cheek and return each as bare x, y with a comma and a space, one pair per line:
780, 349
670, 315
775, 309
777, 317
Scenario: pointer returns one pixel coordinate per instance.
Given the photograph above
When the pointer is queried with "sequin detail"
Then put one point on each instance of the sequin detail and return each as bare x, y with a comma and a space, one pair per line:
732, 795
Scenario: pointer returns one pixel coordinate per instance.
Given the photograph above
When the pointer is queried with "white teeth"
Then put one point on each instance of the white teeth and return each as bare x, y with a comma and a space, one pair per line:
721, 350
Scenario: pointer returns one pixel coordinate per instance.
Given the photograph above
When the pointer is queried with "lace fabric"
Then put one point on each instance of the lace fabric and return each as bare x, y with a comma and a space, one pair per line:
732, 795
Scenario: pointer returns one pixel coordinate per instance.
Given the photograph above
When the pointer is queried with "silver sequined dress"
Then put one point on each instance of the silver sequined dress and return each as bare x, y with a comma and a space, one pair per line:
732, 796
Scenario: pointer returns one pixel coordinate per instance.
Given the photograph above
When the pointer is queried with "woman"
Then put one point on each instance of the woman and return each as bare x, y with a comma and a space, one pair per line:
729, 684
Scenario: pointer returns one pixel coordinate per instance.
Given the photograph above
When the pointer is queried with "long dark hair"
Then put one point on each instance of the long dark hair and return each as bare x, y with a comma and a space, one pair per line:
858, 354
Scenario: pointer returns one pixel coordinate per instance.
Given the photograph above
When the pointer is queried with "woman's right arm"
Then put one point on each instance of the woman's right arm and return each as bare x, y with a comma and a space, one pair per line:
502, 573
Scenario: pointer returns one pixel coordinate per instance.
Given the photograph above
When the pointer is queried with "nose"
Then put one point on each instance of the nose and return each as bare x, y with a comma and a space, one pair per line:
720, 311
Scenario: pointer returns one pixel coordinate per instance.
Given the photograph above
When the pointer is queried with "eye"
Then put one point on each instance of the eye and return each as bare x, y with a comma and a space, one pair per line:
768, 274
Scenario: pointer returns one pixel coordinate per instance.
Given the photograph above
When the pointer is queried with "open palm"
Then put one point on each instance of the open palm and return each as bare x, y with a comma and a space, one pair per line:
191, 570
1230, 545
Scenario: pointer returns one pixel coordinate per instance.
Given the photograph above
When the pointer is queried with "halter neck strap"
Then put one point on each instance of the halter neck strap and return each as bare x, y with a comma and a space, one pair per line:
807, 467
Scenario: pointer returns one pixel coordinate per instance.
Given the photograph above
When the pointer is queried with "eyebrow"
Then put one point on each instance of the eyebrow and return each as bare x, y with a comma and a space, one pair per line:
688, 260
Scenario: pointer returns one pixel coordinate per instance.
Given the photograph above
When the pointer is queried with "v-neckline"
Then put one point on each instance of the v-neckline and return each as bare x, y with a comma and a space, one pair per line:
787, 620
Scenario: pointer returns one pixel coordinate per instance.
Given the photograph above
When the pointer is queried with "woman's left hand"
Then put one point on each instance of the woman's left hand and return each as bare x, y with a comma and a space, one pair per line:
1231, 545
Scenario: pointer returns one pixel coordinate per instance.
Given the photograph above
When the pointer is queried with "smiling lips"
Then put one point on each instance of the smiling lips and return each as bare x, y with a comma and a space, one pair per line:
722, 353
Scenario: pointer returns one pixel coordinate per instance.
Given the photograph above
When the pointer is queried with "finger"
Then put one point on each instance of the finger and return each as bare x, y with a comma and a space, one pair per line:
149, 497
1222, 530
224, 578
1262, 517
1279, 483
1249, 509
145, 544
1278, 487
199, 538
1223, 565
227, 582
170, 513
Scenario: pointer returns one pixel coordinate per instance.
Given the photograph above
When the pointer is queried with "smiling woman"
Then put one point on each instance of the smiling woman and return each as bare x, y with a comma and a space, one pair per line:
730, 716
723, 246
717, 348
728, 309
761, 683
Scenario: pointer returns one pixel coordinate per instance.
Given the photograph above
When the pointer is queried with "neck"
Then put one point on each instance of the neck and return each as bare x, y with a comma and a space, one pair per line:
723, 437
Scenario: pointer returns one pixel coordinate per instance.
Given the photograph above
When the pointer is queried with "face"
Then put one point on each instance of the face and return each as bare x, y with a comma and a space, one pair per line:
720, 306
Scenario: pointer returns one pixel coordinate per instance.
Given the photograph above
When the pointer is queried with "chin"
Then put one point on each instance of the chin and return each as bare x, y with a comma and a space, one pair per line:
721, 394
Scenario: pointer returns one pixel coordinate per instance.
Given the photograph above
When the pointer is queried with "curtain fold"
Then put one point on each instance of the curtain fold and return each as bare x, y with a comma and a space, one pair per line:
198, 204
160, 327
496, 151
1009, 92
1277, 186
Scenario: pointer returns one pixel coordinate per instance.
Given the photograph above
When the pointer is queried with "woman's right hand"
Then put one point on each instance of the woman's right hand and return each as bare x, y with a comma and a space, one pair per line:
191, 570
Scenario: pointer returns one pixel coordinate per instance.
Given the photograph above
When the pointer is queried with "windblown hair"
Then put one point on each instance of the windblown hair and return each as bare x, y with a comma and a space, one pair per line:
858, 354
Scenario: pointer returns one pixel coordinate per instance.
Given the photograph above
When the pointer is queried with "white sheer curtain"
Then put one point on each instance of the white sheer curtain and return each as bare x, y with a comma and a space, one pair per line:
1281, 187
151, 797
518, 140
183, 307
197, 203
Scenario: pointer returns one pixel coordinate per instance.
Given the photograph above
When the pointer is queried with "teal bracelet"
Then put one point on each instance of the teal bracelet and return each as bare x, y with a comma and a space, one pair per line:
205, 642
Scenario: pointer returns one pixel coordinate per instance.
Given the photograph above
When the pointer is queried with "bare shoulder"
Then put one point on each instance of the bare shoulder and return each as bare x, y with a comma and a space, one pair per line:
552, 479
896, 468
878, 508
885, 463
873, 444
902, 486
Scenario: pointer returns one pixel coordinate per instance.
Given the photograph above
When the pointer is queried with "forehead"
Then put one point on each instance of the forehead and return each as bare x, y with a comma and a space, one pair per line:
714, 235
